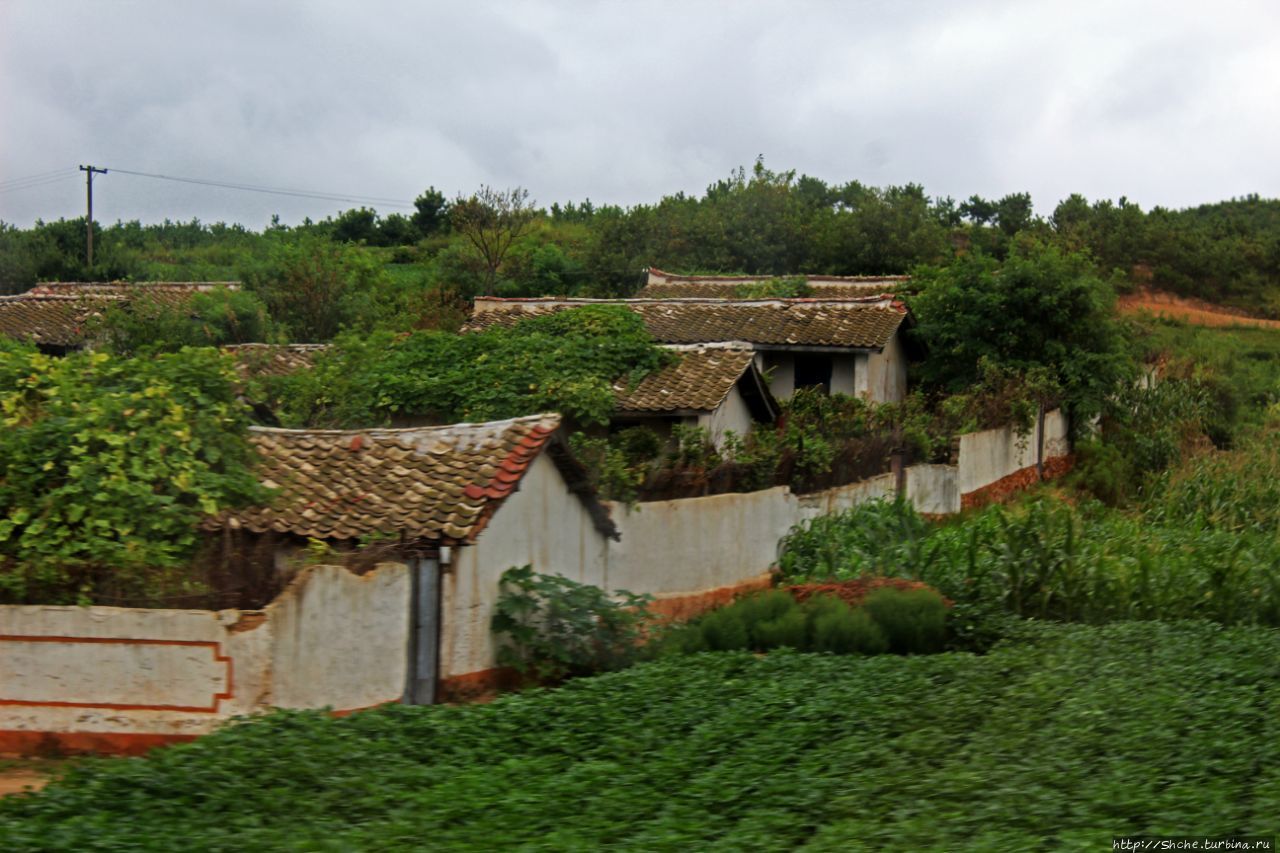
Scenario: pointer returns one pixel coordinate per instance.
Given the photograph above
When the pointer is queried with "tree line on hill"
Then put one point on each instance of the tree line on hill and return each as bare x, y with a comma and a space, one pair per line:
755, 221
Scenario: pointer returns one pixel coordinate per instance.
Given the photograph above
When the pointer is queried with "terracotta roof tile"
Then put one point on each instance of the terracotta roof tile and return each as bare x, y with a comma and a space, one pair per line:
697, 381
434, 483
56, 312
52, 320
842, 323
273, 359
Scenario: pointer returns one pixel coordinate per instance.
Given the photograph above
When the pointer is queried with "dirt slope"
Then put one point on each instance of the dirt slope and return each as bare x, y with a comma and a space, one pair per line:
1188, 310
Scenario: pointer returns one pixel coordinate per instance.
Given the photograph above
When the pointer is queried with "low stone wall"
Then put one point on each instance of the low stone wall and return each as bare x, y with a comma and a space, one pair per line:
121, 680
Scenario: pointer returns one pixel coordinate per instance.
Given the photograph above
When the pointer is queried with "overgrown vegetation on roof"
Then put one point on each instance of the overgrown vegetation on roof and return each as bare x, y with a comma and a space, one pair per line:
106, 466
566, 362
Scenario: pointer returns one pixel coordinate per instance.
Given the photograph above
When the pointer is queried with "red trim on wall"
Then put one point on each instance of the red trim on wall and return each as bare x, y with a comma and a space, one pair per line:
678, 608
1009, 485
53, 744
477, 686
218, 657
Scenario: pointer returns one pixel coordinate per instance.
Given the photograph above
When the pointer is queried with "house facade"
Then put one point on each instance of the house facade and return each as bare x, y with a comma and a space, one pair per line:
716, 387
848, 346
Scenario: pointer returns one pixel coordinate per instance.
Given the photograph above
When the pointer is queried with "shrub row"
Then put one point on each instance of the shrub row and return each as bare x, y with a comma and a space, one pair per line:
903, 621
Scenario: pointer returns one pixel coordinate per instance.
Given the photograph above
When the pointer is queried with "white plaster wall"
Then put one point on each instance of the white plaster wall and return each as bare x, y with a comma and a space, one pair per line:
183, 672
887, 373
862, 375
541, 524
844, 373
990, 455
779, 369
732, 414
340, 639
934, 489
695, 544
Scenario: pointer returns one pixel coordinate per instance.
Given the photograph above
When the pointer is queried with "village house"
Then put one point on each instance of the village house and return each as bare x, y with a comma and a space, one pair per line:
57, 316
427, 494
846, 346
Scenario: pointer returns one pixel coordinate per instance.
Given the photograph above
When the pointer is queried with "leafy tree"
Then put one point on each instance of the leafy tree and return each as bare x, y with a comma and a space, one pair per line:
396, 229
312, 287
431, 212
358, 225
1014, 213
107, 464
491, 220
1042, 308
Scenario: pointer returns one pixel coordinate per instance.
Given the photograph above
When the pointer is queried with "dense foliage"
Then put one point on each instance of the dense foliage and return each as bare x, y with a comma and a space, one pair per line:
1041, 310
147, 325
755, 221
549, 627
108, 463
1051, 560
1060, 740
565, 362
904, 621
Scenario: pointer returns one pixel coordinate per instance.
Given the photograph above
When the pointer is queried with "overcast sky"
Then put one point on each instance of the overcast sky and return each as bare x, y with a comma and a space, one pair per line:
1170, 103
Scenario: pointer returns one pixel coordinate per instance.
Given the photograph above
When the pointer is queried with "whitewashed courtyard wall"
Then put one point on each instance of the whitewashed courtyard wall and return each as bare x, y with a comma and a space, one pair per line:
117, 679
112, 678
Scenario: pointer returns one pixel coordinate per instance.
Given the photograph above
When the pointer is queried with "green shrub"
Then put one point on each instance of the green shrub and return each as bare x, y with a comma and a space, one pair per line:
1199, 553
789, 630
552, 627
774, 620
914, 621
843, 630
724, 630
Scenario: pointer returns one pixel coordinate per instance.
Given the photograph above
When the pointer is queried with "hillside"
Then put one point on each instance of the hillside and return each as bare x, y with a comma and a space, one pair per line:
1197, 312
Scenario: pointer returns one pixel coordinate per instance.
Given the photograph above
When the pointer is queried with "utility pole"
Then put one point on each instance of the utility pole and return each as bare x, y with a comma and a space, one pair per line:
88, 225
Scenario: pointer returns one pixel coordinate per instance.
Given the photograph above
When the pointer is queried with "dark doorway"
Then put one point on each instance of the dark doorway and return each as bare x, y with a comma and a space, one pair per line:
813, 371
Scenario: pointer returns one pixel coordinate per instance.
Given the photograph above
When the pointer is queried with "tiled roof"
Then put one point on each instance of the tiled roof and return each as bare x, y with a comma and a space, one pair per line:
55, 312
274, 359
172, 292
835, 323
663, 285
53, 320
439, 484
697, 381
733, 290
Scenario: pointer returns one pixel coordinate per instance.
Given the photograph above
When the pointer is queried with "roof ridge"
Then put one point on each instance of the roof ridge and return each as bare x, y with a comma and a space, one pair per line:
543, 418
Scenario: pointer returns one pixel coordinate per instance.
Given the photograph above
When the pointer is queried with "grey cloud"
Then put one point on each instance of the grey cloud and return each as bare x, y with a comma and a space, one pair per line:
627, 102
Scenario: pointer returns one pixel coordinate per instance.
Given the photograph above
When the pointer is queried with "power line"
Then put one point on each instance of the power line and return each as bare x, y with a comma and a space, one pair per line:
36, 180
315, 194
64, 170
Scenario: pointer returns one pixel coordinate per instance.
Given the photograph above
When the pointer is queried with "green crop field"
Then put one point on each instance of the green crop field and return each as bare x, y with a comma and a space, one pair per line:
1060, 738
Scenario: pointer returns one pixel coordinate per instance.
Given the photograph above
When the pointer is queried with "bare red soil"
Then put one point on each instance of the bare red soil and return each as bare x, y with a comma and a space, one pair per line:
1193, 311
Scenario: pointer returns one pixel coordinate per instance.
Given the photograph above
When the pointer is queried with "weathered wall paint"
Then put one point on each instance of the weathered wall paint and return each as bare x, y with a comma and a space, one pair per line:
123, 677
541, 524
886, 373
732, 415
990, 455
121, 680
693, 549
